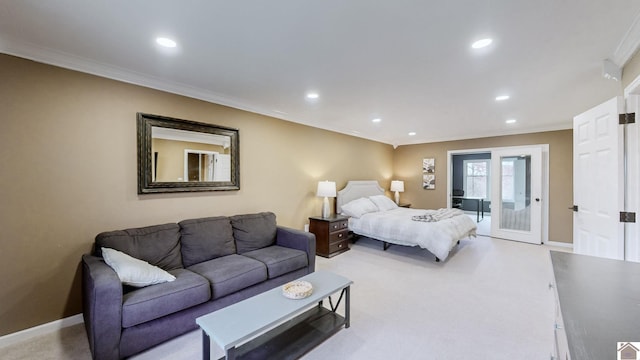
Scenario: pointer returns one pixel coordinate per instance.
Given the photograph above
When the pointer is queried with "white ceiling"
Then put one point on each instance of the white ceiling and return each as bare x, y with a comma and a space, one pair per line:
409, 63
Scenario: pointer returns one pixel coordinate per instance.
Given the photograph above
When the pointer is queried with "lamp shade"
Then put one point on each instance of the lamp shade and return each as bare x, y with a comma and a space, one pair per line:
397, 185
326, 189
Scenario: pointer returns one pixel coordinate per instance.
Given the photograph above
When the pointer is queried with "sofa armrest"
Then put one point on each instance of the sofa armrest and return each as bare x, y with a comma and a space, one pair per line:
298, 239
102, 307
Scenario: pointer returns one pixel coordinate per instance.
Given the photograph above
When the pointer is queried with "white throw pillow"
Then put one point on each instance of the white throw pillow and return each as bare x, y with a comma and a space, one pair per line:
358, 207
134, 272
383, 203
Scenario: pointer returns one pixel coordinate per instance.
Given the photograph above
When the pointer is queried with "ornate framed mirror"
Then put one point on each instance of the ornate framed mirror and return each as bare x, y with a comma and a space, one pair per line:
176, 155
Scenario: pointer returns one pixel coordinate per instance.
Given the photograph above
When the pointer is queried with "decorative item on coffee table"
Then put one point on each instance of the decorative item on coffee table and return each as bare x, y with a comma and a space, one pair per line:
298, 289
332, 234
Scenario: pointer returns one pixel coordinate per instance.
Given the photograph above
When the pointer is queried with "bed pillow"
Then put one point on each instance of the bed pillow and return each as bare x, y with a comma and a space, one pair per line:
134, 272
383, 203
359, 207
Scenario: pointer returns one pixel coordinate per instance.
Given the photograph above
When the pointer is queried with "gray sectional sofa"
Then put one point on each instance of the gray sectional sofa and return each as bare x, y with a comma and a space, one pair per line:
216, 261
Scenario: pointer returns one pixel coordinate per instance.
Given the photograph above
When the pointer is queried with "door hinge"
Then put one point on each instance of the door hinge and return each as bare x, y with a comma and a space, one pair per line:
629, 118
627, 217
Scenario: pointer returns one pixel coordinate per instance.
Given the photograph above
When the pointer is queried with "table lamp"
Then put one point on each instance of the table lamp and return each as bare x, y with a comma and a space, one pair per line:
326, 189
398, 187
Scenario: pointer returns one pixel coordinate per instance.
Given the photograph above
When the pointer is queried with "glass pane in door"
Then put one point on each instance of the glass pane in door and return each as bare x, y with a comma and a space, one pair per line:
516, 192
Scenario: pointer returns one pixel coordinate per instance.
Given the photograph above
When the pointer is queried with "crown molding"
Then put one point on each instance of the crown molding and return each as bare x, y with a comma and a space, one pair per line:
556, 127
65, 60
628, 45
68, 61
72, 62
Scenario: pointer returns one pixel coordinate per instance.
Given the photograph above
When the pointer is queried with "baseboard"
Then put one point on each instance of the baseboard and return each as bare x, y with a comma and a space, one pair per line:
559, 244
50, 327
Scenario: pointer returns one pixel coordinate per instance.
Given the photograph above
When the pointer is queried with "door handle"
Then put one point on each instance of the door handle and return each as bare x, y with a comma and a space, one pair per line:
538, 199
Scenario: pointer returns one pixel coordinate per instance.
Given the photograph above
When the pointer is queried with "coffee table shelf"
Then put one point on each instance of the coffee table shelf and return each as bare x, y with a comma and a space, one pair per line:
269, 325
294, 338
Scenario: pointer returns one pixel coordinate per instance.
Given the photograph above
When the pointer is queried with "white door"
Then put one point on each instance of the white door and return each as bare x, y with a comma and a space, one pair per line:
209, 164
222, 167
516, 194
597, 182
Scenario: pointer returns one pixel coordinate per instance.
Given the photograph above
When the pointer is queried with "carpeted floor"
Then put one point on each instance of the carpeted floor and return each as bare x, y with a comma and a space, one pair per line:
489, 300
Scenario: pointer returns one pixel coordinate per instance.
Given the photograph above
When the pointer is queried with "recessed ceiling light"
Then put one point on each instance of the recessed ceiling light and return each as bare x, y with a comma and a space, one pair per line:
502, 97
166, 42
511, 121
376, 120
482, 43
413, 133
312, 95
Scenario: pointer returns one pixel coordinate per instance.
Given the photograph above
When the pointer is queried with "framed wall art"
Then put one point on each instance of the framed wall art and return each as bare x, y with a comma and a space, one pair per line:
429, 181
429, 165
429, 173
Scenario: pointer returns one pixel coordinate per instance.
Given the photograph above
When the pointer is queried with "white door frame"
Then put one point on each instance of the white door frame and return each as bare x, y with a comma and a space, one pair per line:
545, 179
632, 200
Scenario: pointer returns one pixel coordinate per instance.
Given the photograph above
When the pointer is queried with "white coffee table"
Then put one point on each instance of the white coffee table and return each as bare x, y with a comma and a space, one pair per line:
269, 325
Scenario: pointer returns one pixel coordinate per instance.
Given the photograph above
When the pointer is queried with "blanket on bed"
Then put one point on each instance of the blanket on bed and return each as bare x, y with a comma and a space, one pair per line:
396, 227
437, 215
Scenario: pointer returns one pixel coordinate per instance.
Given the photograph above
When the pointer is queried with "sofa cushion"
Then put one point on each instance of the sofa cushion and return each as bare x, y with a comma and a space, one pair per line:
151, 302
279, 260
231, 273
159, 245
254, 231
205, 239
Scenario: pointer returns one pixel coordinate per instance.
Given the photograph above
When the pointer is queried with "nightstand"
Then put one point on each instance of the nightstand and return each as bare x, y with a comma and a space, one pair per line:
405, 205
332, 234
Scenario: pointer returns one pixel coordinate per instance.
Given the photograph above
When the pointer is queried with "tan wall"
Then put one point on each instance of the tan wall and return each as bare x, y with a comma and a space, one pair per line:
68, 172
407, 166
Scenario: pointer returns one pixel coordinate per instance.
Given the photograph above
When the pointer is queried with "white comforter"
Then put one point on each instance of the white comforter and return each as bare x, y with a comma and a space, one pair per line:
395, 226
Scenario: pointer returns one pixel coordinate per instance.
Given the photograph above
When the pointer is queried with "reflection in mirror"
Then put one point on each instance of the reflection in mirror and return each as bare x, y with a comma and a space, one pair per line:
180, 155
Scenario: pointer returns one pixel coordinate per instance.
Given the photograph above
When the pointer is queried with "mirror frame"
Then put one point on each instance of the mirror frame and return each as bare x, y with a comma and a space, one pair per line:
145, 184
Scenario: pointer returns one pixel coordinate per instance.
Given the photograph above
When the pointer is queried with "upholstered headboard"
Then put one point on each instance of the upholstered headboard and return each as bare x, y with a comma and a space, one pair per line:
355, 190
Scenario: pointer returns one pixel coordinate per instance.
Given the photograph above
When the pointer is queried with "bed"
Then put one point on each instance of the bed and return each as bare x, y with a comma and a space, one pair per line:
437, 231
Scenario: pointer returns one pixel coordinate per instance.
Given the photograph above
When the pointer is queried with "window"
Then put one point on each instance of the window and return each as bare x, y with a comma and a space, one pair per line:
508, 188
477, 178
516, 180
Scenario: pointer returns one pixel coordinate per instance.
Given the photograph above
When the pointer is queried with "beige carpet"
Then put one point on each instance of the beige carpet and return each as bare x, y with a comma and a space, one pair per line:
489, 300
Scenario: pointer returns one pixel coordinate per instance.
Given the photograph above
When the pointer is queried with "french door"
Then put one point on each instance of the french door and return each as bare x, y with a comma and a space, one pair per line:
516, 194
